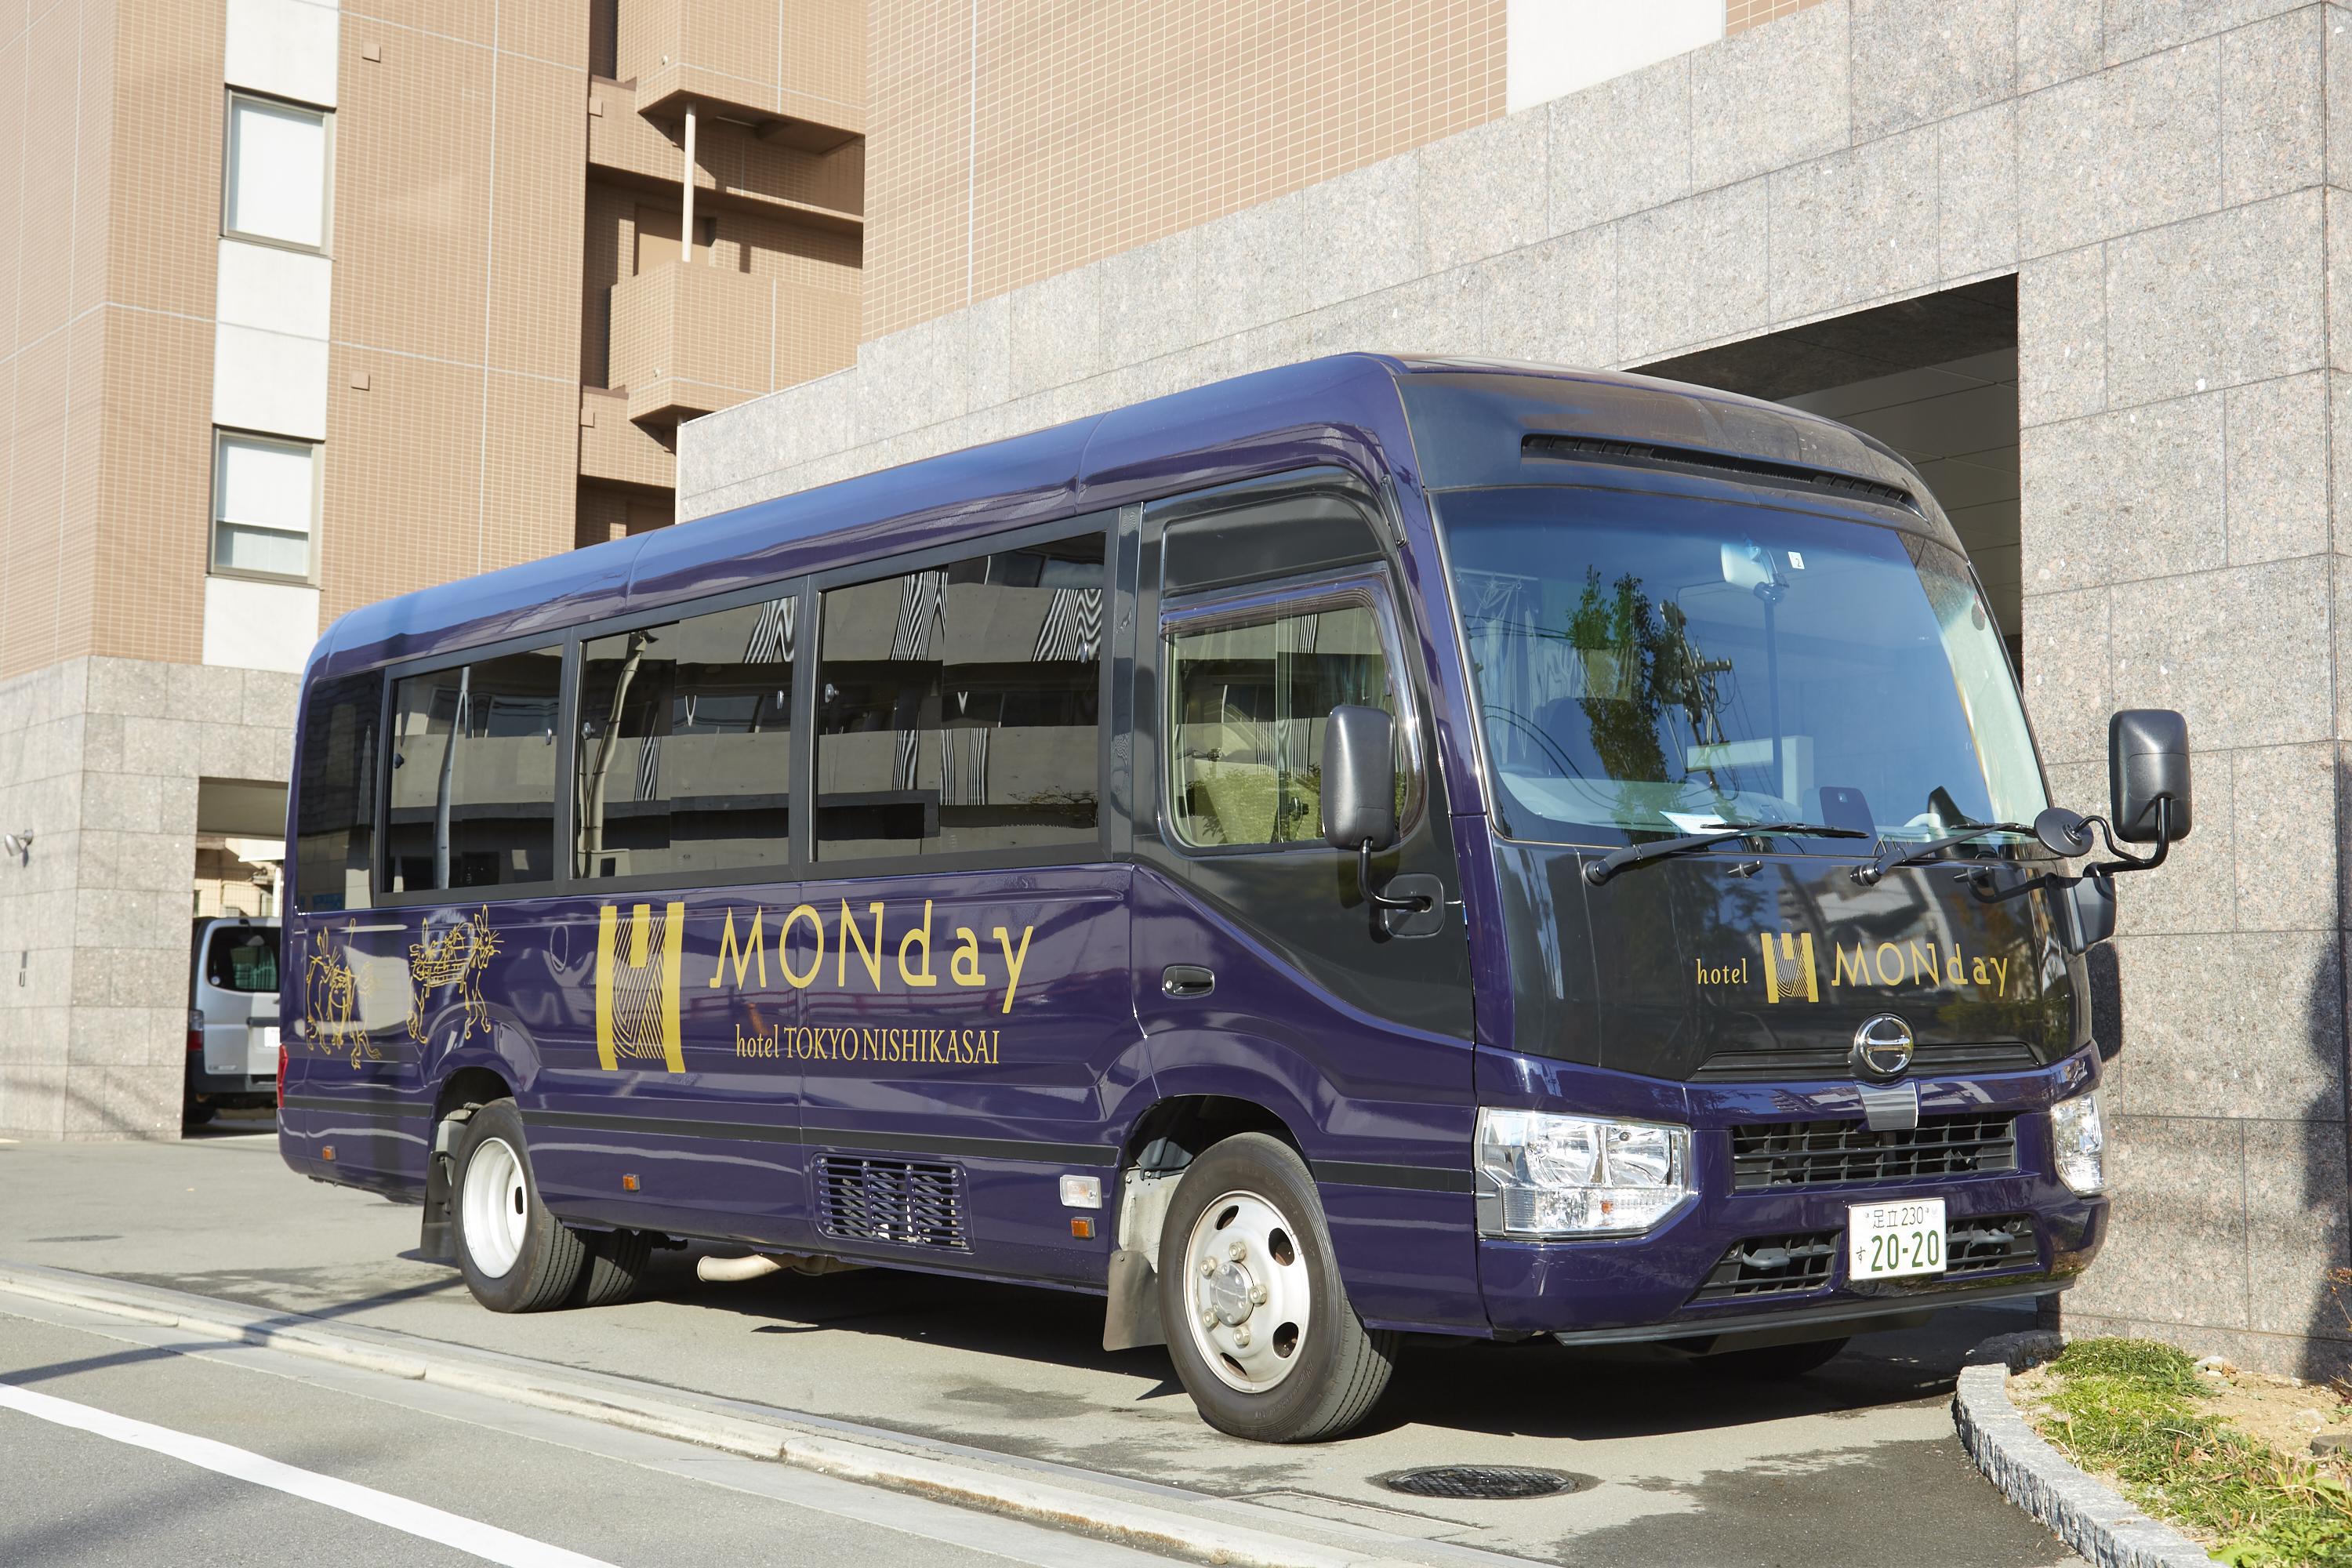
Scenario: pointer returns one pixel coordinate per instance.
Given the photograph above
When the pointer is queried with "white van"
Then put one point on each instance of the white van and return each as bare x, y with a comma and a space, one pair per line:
232, 1016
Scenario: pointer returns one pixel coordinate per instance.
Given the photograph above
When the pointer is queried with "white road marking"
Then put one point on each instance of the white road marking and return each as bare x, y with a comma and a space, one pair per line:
470, 1536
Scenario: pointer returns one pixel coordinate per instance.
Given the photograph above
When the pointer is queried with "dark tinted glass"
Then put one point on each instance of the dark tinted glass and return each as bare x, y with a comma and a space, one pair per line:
241, 958
957, 707
472, 799
1662, 668
685, 744
335, 814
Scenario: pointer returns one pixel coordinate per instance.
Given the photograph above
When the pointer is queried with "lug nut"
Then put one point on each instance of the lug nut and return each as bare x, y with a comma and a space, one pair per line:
1257, 1295
1240, 1338
1208, 1267
1208, 1319
1236, 1251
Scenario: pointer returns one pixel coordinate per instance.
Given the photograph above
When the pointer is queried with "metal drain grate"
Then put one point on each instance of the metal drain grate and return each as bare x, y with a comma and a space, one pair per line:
1483, 1482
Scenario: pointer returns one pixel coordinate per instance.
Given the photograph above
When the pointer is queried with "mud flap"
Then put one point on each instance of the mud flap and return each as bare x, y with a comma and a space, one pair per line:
1131, 1310
436, 1241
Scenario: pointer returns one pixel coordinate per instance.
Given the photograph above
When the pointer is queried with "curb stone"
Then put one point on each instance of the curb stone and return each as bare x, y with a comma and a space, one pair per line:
2087, 1516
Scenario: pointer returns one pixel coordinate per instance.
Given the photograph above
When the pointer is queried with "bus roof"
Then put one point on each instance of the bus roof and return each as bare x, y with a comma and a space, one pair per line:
1341, 410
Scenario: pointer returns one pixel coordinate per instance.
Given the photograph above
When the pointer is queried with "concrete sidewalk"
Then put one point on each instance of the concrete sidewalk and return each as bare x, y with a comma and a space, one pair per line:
1688, 1471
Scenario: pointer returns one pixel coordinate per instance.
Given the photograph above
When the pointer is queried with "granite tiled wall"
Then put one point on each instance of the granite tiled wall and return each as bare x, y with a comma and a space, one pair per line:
2162, 180
101, 759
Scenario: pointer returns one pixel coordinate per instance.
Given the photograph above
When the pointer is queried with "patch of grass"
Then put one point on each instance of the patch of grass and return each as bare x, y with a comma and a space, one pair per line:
2130, 1408
2157, 1368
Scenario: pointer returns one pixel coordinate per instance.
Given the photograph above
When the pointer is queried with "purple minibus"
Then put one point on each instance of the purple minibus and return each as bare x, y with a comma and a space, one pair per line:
1377, 851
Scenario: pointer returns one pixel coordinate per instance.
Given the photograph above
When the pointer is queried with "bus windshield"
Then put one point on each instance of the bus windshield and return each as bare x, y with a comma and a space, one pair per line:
1665, 667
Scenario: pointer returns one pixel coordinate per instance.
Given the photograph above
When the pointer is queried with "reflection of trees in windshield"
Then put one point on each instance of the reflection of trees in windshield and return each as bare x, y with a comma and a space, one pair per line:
1636, 675
1645, 659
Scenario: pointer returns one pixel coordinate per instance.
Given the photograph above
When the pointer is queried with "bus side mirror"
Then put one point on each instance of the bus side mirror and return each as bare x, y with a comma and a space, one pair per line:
1360, 815
1359, 779
2147, 775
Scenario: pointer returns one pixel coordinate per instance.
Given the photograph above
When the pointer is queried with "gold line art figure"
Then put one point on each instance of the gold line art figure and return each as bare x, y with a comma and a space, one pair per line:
330, 994
458, 957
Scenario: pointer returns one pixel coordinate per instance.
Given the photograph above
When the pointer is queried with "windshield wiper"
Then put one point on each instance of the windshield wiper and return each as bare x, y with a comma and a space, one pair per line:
1878, 865
1598, 871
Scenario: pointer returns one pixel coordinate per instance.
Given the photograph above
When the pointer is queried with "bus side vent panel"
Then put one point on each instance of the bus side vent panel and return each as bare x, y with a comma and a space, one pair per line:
890, 1200
1827, 1153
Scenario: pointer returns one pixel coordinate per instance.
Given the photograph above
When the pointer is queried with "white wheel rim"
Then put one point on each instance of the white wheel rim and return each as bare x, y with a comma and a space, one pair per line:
496, 1208
1247, 1286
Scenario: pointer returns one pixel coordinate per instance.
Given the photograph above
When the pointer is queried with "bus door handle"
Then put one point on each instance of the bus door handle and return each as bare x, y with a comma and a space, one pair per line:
1187, 980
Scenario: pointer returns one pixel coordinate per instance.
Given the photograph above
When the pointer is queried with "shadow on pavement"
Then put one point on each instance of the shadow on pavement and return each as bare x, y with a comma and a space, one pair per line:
1535, 1390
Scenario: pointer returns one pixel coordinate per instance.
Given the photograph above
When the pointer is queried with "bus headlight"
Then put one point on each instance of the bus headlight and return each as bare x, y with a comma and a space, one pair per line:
2079, 1143
1546, 1175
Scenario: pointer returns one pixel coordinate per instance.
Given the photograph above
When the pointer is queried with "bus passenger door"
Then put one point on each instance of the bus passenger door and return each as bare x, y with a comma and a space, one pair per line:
1260, 972
969, 1039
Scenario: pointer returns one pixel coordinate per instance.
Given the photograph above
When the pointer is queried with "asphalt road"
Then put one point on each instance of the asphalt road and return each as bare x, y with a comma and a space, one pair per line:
1689, 1469
124, 1446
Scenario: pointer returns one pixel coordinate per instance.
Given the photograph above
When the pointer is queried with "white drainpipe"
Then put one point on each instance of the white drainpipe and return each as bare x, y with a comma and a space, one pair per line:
686, 222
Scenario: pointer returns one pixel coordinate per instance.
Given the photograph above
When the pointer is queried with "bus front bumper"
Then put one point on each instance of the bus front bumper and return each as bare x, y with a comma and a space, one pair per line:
1689, 1281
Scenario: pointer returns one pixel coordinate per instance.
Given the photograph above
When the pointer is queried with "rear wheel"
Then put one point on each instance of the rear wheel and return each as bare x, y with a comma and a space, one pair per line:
617, 1267
1774, 1363
516, 1255
1258, 1323
195, 1112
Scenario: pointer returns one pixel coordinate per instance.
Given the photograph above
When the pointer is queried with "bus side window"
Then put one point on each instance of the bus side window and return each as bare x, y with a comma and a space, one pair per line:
1249, 694
685, 745
958, 707
334, 831
472, 797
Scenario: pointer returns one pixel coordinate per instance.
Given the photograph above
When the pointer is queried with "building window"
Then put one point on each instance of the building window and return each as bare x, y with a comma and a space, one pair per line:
685, 744
264, 500
957, 707
277, 172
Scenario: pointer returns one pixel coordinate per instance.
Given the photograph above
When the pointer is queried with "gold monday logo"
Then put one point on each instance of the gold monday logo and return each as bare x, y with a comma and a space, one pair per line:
640, 958
1790, 970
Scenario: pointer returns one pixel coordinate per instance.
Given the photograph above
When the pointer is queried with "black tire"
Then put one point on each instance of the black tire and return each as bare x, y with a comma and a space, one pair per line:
617, 1260
1342, 1368
196, 1112
1773, 1363
550, 1259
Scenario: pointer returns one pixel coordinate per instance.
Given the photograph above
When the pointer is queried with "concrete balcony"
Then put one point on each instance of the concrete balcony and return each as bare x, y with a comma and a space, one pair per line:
616, 449
689, 339
736, 168
796, 69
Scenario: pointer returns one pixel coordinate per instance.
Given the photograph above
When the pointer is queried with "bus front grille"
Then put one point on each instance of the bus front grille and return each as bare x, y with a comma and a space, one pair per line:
1790, 1264
890, 1200
1988, 1246
1770, 1266
1767, 1155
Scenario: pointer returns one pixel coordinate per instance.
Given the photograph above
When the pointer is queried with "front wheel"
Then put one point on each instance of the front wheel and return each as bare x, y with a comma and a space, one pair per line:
516, 1255
1258, 1323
